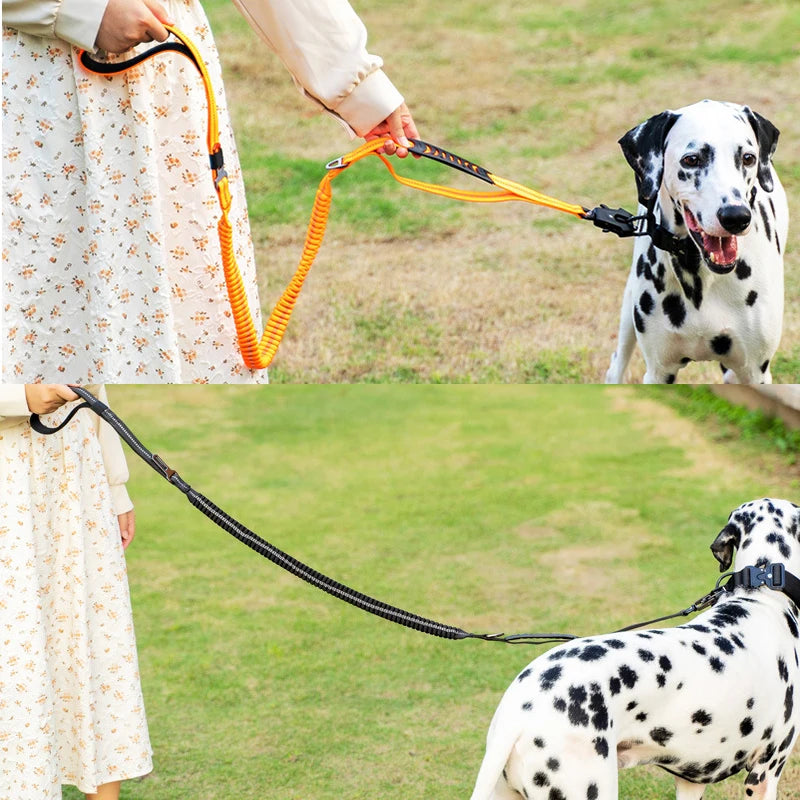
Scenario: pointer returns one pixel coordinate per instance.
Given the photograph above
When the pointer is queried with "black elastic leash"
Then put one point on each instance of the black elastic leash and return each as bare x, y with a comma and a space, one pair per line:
772, 575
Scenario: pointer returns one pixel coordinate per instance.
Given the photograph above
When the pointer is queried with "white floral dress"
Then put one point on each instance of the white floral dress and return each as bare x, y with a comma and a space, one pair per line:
71, 708
111, 265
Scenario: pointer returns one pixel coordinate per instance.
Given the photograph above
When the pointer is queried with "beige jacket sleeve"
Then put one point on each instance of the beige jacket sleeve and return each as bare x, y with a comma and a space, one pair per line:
14, 410
323, 45
75, 21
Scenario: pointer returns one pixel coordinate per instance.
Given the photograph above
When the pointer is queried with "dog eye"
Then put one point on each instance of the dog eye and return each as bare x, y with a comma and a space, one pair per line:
690, 160
749, 159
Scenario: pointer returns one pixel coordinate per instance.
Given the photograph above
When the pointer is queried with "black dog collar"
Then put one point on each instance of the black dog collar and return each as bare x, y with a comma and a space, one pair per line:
774, 576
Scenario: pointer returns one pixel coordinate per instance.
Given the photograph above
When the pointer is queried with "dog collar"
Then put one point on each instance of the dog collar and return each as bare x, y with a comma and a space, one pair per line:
774, 576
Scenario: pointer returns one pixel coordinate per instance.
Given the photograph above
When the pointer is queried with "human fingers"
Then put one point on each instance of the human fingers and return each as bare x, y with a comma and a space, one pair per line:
402, 128
127, 527
44, 398
161, 17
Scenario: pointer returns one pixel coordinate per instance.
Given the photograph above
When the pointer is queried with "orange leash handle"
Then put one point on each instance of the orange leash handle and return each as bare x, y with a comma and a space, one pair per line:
258, 353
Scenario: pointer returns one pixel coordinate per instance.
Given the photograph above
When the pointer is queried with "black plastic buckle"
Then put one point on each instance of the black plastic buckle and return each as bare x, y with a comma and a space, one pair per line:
772, 575
616, 220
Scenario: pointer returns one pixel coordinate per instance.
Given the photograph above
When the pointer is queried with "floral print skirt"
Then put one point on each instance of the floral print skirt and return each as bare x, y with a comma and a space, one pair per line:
71, 708
111, 264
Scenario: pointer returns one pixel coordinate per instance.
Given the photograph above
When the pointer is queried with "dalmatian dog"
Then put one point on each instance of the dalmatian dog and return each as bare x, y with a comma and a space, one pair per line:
707, 283
702, 700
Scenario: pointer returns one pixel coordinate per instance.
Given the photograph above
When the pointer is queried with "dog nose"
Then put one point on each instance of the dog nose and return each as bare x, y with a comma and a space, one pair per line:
734, 219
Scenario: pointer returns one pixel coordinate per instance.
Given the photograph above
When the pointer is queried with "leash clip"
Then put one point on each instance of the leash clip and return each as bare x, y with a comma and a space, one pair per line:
337, 163
617, 220
707, 600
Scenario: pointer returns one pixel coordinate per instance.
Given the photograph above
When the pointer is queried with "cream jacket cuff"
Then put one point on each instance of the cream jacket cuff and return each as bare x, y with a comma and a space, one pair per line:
74, 21
323, 45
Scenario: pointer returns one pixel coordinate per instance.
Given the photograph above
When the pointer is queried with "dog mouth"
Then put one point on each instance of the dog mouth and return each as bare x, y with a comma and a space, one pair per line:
719, 252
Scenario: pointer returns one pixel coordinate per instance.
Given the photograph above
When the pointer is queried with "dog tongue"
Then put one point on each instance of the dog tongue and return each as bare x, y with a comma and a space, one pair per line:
721, 249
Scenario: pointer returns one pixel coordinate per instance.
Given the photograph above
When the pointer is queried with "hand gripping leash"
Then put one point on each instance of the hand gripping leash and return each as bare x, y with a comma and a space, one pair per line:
258, 352
774, 576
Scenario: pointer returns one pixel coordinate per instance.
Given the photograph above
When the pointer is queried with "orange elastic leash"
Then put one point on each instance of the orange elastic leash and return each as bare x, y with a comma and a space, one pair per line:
258, 353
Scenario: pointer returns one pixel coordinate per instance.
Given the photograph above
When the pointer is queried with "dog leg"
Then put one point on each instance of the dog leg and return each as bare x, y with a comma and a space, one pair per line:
761, 787
626, 340
686, 790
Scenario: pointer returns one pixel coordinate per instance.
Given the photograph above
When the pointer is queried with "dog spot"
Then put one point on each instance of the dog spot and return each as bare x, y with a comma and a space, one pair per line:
646, 302
767, 733
645, 655
712, 766
641, 716
660, 736
555, 794
615, 644
721, 344
549, 677
731, 614
628, 676
768, 753
661, 680
788, 703
614, 685
559, 704
592, 653
765, 218
524, 674
539, 742
540, 779
638, 321
577, 714
701, 717
664, 663
601, 746
751, 298
716, 664
669, 378
791, 624
698, 648
746, 726
742, 270
527, 706
751, 702
740, 754
776, 538
553, 764
598, 708
784, 745
724, 645
631, 705
592, 793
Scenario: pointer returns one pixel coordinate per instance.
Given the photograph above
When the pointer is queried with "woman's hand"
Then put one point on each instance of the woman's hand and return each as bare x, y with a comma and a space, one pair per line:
130, 22
399, 125
44, 398
127, 527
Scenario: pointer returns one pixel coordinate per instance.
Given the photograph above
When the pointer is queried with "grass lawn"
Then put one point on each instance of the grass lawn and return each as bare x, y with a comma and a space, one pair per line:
490, 508
410, 288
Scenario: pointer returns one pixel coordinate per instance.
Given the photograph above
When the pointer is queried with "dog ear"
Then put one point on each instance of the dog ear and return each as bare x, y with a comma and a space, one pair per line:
767, 137
643, 147
722, 547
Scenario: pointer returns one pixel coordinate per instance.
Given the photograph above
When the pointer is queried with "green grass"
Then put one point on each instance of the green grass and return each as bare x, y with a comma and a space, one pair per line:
536, 93
489, 508
735, 422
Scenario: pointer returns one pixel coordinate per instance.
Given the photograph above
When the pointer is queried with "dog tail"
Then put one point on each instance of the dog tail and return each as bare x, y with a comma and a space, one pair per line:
499, 743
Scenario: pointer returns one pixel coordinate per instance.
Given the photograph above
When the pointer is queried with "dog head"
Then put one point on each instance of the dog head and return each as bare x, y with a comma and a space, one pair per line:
760, 531
709, 158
